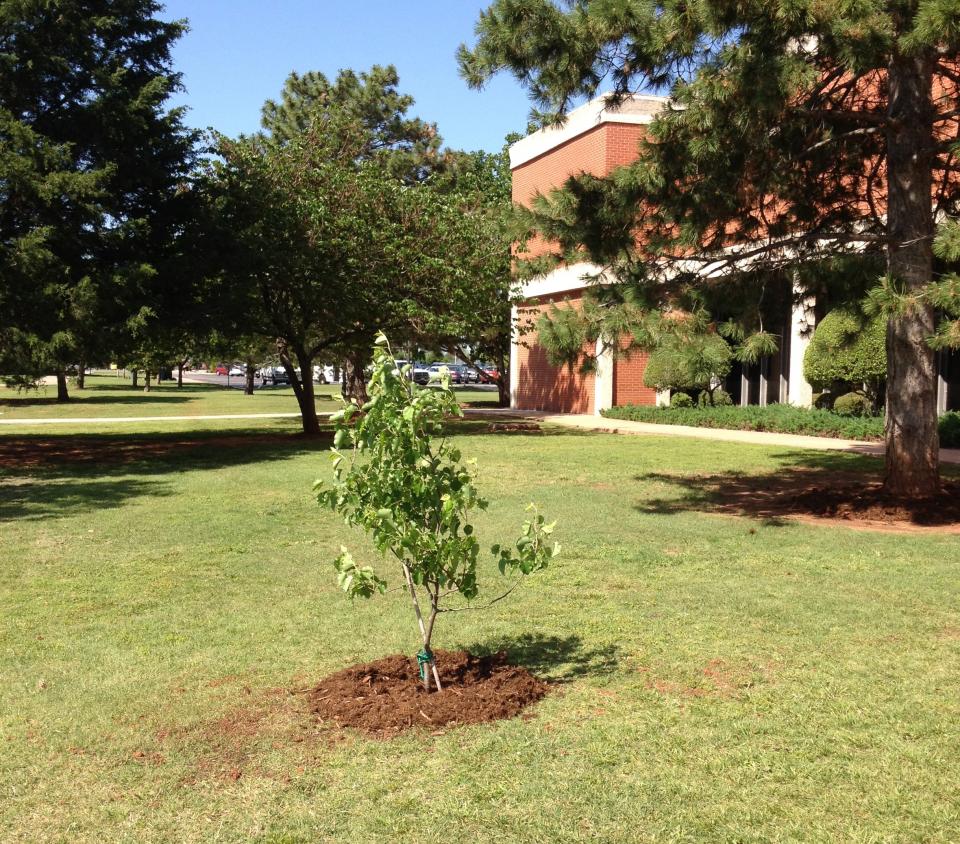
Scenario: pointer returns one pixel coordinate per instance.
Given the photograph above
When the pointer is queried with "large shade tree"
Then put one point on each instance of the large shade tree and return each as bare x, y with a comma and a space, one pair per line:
794, 130
320, 249
92, 169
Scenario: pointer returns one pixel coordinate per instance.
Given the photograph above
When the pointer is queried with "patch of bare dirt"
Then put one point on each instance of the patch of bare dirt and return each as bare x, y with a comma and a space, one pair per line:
720, 679
514, 428
386, 697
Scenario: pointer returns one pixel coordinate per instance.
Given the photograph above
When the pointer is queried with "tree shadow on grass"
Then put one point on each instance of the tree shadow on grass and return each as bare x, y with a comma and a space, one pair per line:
35, 500
112, 453
560, 659
807, 485
79, 404
49, 475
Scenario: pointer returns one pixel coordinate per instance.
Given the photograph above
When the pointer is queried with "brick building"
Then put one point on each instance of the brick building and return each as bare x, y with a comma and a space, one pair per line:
596, 140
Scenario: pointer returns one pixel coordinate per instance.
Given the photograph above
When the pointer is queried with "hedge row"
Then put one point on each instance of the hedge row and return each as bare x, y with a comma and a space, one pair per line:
778, 418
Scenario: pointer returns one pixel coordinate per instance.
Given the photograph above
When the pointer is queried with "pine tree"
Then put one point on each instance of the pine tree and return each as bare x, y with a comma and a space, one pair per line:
795, 129
407, 146
93, 168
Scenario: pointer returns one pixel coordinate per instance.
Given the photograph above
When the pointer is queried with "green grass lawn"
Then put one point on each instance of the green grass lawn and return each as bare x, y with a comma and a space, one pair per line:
719, 678
110, 396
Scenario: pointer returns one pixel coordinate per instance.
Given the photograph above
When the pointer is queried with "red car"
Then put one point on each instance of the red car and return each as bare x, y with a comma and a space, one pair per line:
491, 372
222, 369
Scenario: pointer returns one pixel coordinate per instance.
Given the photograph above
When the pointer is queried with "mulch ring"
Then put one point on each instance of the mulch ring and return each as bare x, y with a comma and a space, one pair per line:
869, 503
814, 496
386, 697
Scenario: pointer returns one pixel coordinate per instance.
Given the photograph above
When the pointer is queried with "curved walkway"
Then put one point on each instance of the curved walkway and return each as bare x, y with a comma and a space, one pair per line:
625, 426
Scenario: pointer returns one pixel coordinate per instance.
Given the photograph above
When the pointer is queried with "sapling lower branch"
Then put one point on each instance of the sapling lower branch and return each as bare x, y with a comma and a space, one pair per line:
398, 477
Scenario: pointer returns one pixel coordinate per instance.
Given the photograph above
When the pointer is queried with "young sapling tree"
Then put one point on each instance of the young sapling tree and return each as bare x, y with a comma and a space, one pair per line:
400, 478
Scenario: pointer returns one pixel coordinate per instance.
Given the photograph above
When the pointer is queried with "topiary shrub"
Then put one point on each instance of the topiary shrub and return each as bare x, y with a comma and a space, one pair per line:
853, 404
824, 400
949, 428
681, 400
721, 398
847, 346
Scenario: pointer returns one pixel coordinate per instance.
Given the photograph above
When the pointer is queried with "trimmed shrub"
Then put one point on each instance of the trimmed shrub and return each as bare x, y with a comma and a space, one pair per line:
681, 400
853, 404
780, 418
688, 363
950, 430
721, 398
824, 400
847, 346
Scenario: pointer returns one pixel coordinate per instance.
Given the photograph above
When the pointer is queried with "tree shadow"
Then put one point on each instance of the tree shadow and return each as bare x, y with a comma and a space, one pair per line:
561, 659
103, 455
83, 401
44, 476
812, 485
28, 500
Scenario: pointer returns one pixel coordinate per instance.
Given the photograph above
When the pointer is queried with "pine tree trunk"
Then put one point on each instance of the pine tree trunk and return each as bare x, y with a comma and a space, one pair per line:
62, 394
82, 376
179, 375
133, 378
146, 380
912, 443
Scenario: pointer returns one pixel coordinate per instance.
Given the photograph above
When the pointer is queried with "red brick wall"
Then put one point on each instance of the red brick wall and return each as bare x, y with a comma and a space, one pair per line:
628, 386
542, 386
623, 143
597, 151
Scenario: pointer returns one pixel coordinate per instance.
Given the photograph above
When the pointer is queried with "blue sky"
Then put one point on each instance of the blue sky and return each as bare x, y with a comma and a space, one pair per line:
239, 52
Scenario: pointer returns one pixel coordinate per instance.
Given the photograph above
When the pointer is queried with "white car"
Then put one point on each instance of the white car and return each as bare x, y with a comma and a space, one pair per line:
237, 370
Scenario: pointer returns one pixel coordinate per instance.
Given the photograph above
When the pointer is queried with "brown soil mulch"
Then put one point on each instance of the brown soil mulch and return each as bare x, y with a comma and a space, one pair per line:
386, 697
817, 496
869, 503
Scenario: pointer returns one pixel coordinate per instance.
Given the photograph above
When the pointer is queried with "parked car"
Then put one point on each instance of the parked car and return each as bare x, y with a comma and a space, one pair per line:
275, 375
238, 370
420, 373
468, 374
492, 373
221, 369
456, 375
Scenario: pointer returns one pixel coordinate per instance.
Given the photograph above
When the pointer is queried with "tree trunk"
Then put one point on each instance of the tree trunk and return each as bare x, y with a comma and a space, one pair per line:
179, 375
133, 378
302, 388
62, 394
428, 667
82, 376
146, 380
912, 443
353, 382
248, 379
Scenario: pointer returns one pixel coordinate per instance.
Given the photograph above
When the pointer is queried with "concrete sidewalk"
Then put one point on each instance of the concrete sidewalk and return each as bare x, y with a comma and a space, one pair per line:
601, 424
